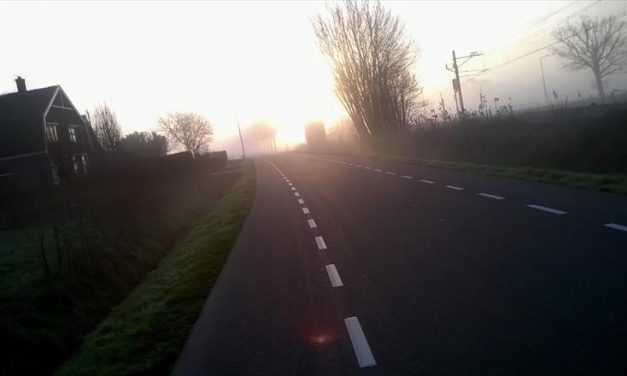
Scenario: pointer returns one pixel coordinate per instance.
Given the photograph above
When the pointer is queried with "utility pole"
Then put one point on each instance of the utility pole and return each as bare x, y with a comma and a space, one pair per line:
241, 140
457, 85
546, 94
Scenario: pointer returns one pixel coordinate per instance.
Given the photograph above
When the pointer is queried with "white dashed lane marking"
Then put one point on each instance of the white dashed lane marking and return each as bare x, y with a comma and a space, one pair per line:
320, 243
293, 188
360, 343
454, 187
312, 223
334, 276
296, 194
546, 209
488, 195
616, 226
305, 211
301, 201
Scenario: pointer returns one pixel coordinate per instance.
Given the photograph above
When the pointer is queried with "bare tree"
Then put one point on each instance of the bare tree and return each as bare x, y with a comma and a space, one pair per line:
106, 127
372, 61
187, 129
598, 44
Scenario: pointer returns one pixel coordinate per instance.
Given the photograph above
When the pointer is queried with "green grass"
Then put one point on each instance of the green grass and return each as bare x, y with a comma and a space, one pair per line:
49, 315
615, 183
145, 333
20, 258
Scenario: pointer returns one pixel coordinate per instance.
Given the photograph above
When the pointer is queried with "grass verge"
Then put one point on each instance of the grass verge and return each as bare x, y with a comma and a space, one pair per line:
145, 333
615, 183
53, 296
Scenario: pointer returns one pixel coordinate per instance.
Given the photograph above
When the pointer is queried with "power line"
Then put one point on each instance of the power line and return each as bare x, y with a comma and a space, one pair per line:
517, 58
533, 23
542, 31
546, 17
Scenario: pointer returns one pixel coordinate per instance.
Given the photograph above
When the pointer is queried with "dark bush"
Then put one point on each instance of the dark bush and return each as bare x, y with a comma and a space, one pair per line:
590, 139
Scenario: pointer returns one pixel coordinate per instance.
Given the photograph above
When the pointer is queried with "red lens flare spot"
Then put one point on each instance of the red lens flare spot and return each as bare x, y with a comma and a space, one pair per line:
322, 338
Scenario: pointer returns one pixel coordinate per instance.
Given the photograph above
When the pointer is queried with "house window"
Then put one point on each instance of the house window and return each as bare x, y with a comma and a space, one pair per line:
51, 132
80, 163
84, 163
72, 131
55, 173
76, 163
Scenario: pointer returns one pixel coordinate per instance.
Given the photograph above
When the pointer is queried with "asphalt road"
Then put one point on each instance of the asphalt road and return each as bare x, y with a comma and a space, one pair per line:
395, 269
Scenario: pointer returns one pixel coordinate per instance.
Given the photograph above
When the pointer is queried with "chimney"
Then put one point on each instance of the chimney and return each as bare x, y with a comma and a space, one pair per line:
21, 84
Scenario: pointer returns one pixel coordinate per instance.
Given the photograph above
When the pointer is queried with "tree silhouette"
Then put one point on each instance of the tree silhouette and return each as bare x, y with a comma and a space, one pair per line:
187, 129
144, 144
372, 60
106, 127
598, 44
262, 133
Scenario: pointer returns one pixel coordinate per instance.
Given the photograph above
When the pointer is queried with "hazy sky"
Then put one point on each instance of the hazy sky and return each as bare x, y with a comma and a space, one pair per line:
251, 61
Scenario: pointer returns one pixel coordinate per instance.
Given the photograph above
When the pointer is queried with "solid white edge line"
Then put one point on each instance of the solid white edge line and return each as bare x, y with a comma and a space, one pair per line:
301, 201
616, 226
334, 276
454, 187
427, 181
546, 209
312, 223
305, 210
407, 177
488, 195
320, 243
360, 343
